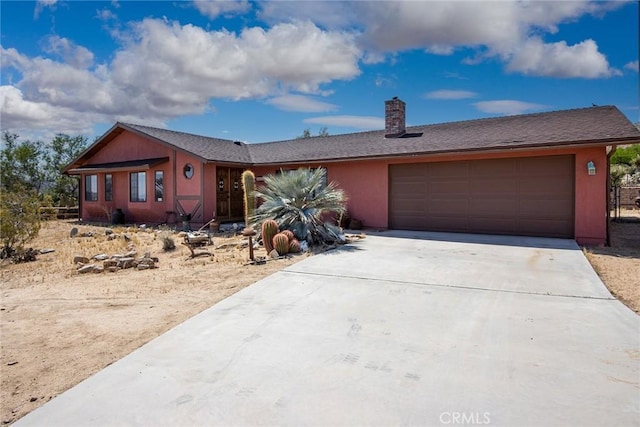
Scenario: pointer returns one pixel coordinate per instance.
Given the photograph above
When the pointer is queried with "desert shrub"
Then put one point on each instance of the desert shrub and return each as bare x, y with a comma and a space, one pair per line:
298, 200
19, 220
168, 244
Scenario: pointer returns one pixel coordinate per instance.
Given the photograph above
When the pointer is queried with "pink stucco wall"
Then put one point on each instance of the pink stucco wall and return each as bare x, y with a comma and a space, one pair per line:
180, 194
367, 186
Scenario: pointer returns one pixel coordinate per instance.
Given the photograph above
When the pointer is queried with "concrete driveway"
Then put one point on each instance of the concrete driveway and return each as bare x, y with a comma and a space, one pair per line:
397, 329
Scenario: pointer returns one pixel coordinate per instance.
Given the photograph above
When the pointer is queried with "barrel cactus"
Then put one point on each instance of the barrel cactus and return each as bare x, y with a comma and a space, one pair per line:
294, 246
269, 229
281, 243
289, 234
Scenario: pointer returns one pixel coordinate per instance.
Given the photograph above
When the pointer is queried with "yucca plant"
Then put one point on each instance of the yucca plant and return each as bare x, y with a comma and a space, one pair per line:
299, 200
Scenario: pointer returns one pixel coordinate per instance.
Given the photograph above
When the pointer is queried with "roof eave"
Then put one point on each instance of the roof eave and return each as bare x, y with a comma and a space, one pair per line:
488, 150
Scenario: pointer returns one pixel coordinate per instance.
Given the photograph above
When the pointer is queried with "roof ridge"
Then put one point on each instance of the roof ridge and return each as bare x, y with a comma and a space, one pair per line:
135, 125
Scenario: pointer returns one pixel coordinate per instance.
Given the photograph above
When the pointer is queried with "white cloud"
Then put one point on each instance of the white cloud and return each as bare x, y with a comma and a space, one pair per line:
329, 14
301, 103
358, 122
214, 8
105, 15
508, 107
560, 60
498, 29
166, 70
22, 114
450, 94
41, 5
73, 54
633, 66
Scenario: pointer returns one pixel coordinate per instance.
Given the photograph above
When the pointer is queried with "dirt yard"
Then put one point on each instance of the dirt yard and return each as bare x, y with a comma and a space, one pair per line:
58, 327
619, 265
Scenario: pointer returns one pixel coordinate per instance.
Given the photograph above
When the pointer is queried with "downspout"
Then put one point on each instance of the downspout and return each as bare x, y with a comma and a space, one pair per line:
611, 149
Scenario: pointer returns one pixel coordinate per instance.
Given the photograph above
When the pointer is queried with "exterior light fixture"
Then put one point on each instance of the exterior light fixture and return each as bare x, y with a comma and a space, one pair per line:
221, 184
591, 168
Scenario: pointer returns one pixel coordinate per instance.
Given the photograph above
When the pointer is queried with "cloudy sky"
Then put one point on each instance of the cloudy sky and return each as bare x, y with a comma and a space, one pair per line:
264, 71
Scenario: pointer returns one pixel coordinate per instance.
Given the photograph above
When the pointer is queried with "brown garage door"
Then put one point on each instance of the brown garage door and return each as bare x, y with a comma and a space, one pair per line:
526, 196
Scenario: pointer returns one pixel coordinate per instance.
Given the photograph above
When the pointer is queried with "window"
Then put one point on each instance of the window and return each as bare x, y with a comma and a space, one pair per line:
159, 186
91, 188
108, 187
138, 186
188, 171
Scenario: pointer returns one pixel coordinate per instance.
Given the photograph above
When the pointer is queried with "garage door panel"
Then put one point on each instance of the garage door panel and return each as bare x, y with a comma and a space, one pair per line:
447, 223
449, 186
494, 207
543, 208
562, 186
493, 186
497, 167
492, 225
548, 228
442, 170
451, 206
523, 196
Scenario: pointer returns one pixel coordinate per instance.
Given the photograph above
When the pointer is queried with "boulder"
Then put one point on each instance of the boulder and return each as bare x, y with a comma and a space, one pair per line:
79, 259
88, 268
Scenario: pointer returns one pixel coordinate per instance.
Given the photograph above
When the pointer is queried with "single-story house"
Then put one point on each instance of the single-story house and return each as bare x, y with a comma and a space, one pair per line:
543, 174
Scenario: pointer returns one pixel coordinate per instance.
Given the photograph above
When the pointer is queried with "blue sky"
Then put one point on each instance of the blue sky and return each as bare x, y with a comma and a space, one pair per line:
265, 71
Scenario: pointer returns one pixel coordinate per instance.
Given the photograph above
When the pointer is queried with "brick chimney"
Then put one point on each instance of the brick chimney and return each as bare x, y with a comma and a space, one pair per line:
394, 118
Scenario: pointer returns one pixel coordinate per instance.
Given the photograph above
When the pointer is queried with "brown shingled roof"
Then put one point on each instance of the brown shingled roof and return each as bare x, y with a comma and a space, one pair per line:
604, 125
596, 125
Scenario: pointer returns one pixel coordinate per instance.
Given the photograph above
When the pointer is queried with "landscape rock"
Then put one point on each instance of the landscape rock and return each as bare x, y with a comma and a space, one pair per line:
112, 269
79, 259
108, 231
112, 237
110, 263
274, 254
126, 262
89, 268
98, 269
143, 267
100, 257
46, 251
86, 234
74, 232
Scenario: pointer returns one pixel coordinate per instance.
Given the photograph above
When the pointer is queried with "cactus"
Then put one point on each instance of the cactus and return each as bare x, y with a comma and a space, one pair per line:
294, 246
269, 229
248, 188
289, 234
281, 243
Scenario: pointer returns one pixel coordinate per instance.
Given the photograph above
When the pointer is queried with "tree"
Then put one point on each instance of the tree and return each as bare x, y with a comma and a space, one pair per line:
625, 155
307, 133
63, 189
34, 166
299, 200
21, 167
19, 220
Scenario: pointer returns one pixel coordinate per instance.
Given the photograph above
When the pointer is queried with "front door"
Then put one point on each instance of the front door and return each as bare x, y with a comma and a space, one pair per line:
229, 195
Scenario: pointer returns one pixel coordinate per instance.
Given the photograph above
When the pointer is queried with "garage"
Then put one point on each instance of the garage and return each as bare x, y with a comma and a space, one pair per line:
529, 196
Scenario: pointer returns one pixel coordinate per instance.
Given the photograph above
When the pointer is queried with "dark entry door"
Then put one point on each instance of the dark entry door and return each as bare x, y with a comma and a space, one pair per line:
229, 194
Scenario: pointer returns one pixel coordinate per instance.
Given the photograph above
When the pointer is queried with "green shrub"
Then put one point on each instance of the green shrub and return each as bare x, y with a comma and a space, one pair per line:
19, 220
